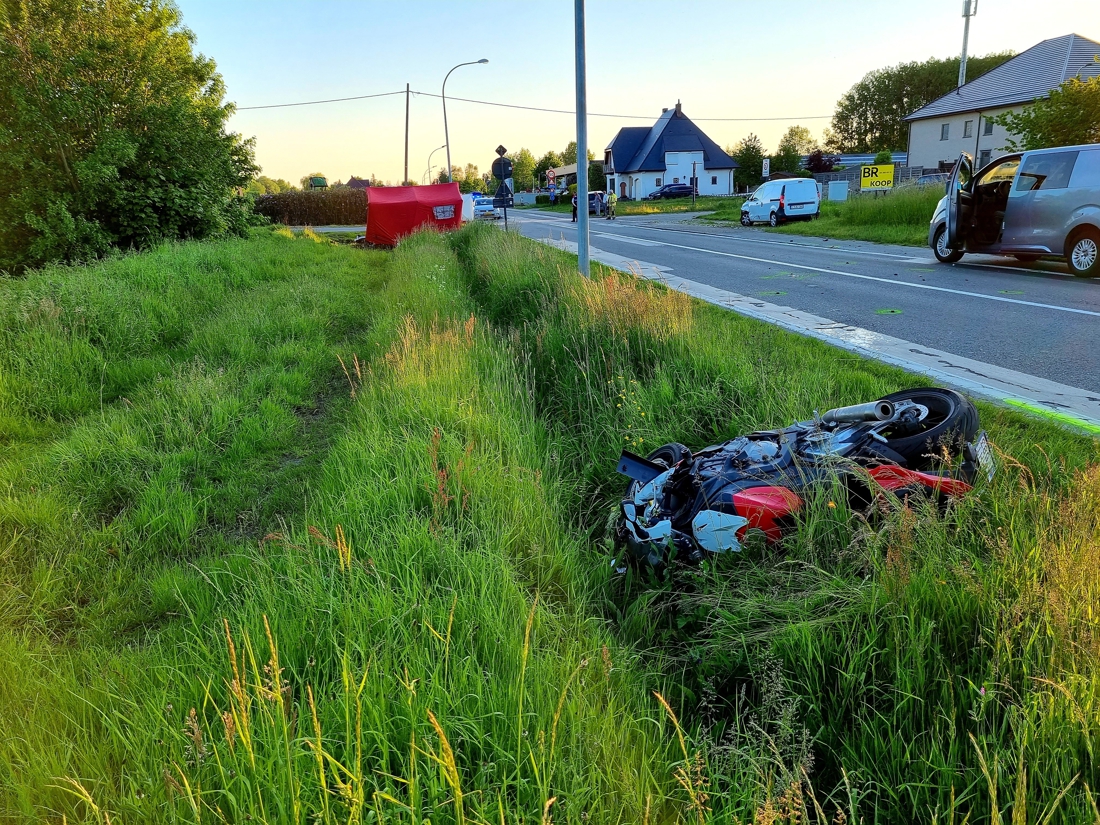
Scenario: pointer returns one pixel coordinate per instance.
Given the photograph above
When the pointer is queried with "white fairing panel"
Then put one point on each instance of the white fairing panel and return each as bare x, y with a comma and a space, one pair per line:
717, 532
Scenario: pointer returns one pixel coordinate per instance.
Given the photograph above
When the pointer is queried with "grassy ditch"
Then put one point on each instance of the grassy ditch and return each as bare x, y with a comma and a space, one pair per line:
900, 217
912, 666
284, 541
298, 533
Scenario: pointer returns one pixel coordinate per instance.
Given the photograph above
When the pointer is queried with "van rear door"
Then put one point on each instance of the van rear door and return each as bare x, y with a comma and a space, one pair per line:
959, 201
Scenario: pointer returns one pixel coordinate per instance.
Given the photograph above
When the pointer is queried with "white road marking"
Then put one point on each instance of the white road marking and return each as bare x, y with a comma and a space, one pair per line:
907, 284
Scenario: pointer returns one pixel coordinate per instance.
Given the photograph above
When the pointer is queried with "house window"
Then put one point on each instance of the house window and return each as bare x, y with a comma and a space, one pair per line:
657, 182
983, 157
945, 131
968, 128
987, 127
675, 180
713, 180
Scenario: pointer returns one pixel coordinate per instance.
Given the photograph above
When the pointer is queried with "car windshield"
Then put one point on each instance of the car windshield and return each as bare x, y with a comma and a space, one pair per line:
483, 202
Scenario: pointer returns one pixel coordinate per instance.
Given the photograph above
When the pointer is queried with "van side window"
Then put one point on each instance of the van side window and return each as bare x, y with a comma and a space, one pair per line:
1087, 170
1046, 171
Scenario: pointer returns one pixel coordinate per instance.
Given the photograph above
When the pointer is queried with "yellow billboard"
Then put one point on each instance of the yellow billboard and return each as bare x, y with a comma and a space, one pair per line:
876, 178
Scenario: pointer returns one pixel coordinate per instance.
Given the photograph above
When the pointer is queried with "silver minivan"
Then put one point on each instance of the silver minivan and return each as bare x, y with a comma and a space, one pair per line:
787, 199
1027, 204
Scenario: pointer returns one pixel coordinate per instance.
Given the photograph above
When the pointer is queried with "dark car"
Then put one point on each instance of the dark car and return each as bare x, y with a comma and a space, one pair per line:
671, 190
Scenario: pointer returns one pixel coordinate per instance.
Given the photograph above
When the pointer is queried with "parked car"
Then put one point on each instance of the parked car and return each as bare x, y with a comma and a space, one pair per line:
778, 201
1025, 204
484, 210
670, 190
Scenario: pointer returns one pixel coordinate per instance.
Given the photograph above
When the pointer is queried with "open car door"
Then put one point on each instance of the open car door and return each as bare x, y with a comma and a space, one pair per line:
959, 201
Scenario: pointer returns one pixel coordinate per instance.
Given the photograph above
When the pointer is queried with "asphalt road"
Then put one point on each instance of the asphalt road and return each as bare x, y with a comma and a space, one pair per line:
1033, 318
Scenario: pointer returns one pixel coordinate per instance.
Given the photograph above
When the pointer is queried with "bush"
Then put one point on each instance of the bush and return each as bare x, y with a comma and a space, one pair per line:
107, 140
884, 157
572, 189
321, 207
540, 199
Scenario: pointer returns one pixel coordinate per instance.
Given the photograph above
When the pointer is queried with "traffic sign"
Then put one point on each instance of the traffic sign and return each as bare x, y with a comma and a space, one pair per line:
501, 151
551, 175
767, 167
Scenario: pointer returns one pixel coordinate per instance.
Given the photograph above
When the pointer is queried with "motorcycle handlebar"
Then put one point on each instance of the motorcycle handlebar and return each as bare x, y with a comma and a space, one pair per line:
871, 411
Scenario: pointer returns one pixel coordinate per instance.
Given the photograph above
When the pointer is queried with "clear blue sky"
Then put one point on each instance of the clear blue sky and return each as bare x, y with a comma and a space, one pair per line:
789, 60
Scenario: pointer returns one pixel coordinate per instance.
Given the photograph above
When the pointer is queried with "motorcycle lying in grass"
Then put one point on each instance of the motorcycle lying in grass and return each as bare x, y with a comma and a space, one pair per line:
691, 505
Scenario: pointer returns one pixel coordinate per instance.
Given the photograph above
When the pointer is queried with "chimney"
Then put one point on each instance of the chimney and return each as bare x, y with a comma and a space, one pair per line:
664, 110
678, 110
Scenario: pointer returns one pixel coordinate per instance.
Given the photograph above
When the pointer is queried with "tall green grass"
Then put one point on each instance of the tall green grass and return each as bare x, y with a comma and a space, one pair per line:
306, 560
910, 666
298, 533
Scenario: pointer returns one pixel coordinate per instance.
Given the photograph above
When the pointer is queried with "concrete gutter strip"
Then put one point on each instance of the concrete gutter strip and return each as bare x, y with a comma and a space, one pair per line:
1068, 405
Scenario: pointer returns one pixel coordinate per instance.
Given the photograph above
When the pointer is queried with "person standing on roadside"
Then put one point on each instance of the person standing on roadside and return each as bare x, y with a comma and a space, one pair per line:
612, 199
574, 209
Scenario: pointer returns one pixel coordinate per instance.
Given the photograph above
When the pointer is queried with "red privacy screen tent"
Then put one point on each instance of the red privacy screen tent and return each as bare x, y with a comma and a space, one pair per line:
396, 211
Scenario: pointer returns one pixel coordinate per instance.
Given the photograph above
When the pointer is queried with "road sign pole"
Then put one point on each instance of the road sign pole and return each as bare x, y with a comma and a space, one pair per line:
582, 143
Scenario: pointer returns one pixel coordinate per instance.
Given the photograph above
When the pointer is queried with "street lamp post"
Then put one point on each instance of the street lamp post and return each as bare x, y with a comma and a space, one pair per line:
430, 161
446, 134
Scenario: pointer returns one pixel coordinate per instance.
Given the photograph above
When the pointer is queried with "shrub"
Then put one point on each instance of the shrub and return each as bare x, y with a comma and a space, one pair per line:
107, 140
884, 157
542, 199
340, 207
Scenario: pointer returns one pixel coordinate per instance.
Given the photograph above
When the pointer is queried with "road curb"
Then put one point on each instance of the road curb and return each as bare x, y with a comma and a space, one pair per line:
1058, 402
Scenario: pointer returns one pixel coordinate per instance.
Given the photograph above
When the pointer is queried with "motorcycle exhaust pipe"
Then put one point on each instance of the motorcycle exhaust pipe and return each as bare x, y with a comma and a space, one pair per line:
857, 413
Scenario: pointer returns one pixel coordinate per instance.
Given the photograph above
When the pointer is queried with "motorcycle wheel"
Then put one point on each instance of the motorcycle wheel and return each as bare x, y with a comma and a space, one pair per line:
667, 456
951, 422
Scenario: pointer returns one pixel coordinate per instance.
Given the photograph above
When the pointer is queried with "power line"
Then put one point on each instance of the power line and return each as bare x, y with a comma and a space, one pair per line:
526, 108
602, 114
315, 102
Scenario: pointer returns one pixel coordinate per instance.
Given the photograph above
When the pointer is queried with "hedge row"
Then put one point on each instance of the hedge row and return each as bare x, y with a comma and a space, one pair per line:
325, 207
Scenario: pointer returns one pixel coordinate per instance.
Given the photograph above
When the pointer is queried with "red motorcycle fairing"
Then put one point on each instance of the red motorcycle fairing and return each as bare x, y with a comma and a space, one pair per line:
891, 477
768, 509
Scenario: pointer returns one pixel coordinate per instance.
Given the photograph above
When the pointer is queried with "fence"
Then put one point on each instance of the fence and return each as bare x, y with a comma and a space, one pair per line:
852, 173
324, 207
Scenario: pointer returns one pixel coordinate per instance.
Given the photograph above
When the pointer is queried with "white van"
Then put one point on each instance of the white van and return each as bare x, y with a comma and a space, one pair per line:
777, 201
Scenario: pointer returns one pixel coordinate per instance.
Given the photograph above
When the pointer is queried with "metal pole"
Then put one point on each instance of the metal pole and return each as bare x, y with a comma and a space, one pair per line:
582, 143
406, 134
446, 134
968, 12
694, 186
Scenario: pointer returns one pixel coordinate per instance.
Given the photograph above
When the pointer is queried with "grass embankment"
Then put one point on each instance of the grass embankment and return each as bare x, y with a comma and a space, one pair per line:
382, 656
900, 217
643, 207
240, 583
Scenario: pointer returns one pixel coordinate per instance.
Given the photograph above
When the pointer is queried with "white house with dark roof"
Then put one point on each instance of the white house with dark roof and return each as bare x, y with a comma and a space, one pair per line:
961, 120
641, 159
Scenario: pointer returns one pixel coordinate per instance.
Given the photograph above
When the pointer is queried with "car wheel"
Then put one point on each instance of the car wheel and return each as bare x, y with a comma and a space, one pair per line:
745, 219
773, 220
1027, 259
944, 254
951, 422
1083, 253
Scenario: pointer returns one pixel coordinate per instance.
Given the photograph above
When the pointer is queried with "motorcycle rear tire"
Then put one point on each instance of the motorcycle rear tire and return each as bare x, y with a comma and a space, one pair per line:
952, 421
669, 455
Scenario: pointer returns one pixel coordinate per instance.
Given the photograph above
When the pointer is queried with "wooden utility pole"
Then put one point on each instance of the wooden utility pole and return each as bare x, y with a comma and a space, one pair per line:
406, 134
